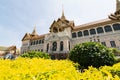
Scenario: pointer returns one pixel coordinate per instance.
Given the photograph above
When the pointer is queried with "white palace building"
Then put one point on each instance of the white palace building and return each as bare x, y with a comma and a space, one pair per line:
64, 35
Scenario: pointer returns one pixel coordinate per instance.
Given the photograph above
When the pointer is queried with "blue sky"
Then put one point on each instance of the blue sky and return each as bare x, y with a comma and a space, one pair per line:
20, 16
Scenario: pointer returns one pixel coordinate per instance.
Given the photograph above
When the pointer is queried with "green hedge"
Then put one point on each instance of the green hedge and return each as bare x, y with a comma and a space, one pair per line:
33, 54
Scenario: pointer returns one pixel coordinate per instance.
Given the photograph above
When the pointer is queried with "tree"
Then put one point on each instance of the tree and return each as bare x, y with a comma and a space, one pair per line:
92, 54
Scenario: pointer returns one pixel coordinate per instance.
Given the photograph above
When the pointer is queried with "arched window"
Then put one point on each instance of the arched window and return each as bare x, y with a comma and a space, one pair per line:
47, 47
108, 28
92, 31
100, 30
38, 49
116, 27
103, 43
113, 44
74, 35
41, 50
42, 41
69, 45
31, 43
39, 41
54, 46
61, 46
36, 42
80, 34
86, 33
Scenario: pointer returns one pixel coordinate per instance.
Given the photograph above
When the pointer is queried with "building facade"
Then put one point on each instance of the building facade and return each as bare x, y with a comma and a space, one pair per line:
5, 50
64, 35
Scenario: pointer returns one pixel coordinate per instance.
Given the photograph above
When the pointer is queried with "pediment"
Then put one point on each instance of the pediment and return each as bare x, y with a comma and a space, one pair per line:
59, 23
62, 23
53, 24
54, 37
26, 37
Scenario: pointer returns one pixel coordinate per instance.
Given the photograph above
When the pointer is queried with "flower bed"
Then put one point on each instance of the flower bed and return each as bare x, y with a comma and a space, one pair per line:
45, 69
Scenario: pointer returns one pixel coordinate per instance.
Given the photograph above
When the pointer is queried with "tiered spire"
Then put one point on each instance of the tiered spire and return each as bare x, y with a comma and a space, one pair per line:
34, 31
116, 15
117, 5
63, 16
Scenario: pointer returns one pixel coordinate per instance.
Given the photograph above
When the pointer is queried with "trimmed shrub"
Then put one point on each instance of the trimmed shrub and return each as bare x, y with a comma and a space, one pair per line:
37, 54
92, 54
115, 51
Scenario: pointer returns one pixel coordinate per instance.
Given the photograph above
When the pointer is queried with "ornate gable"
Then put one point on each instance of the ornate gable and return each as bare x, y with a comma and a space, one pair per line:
61, 24
53, 37
27, 36
54, 27
53, 24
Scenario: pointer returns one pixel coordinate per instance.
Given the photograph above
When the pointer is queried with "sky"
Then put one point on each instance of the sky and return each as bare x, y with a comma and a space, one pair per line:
18, 17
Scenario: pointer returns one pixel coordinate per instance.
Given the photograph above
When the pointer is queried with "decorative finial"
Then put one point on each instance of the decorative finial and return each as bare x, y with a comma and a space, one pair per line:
62, 10
34, 31
63, 16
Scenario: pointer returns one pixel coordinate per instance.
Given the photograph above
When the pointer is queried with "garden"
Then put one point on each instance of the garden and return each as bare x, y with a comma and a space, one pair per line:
86, 61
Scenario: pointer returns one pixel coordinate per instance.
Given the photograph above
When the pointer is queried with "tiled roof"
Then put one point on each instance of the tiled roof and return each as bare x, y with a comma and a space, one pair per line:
38, 37
11, 48
2, 48
93, 24
33, 37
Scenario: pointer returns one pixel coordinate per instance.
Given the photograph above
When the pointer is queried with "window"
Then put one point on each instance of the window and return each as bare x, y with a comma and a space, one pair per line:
80, 34
100, 30
47, 47
98, 40
41, 50
74, 35
43, 41
61, 46
90, 39
55, 30
92, 31
39, 41
54, 46
69, 45
53, 56
38, 49
108, 28
31, 43
86, 33
112, 43
116, 27
103, 43
36, 42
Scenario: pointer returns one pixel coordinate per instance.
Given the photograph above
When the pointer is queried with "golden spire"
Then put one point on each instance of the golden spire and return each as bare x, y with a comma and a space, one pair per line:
63, 16
117, 5
116, 15
34, 31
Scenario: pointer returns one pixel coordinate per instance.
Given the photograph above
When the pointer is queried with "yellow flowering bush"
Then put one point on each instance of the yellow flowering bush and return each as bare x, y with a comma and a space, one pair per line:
37, 69
46, 69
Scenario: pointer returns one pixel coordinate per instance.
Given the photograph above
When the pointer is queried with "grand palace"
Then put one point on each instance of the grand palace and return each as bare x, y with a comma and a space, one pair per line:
64, 35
